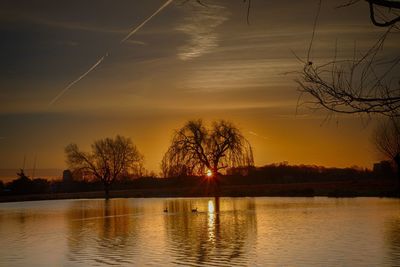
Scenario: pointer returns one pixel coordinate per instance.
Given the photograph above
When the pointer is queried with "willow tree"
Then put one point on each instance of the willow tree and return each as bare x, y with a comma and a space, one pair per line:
197, 150
108, 161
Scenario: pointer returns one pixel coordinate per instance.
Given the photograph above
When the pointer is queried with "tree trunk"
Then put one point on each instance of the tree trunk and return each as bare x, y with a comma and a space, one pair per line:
106, 191
217, 208
217, 185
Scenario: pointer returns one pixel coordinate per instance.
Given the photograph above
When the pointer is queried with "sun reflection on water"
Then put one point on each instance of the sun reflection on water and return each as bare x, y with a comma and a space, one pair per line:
211, 208
211, 221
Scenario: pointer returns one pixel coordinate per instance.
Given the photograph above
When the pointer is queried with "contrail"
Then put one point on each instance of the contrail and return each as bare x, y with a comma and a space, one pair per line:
146, 20
132, 32
77, 80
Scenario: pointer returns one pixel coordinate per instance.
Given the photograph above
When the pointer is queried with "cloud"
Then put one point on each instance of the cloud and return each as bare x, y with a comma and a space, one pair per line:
228, 75
200, 25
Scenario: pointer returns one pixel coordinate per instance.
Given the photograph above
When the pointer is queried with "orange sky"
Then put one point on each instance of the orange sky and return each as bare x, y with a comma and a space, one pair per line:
187, 62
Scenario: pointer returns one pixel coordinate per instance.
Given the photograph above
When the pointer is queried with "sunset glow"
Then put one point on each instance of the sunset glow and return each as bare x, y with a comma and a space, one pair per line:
175, 62
199, 133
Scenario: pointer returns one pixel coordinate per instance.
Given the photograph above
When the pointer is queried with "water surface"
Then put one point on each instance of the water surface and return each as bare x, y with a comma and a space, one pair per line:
223, 232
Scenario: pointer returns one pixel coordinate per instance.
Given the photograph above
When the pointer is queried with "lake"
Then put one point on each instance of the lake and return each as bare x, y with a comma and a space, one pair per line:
223, 232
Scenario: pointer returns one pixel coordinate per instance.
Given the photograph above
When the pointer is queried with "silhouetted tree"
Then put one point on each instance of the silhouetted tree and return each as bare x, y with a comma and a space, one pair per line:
108, 160
367, 83
40, 186
196, 150
382, 21
387, 140
362, 84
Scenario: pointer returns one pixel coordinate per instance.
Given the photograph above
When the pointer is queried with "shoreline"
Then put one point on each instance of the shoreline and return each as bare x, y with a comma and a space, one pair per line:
328, 189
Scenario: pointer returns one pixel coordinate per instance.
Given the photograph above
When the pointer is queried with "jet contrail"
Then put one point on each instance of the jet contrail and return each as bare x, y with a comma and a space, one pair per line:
146, 20
132, 32
77, 80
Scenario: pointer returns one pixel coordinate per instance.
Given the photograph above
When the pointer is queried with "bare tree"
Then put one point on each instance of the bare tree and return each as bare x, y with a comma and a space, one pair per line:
363, 84
377, 16
108, 160
387, 139
366, 84
393, 7
196, 150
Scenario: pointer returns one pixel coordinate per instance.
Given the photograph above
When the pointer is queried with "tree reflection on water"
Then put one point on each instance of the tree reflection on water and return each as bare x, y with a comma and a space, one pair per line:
392, 237
102, 231
220, 231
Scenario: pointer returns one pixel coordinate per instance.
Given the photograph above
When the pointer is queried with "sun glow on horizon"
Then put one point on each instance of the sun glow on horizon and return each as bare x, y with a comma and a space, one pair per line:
209, 173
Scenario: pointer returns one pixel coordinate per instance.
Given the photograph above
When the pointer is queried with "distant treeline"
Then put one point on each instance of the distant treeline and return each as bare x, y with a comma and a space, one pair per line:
266, 175
284, 173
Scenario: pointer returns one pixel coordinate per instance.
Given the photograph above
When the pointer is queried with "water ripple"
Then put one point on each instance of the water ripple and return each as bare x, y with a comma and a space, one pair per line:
224, 232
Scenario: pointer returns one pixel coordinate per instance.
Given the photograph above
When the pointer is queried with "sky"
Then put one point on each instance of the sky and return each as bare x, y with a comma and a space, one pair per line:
188, 61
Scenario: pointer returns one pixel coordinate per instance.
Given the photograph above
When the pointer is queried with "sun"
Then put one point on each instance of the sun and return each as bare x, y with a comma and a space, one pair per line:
209, 173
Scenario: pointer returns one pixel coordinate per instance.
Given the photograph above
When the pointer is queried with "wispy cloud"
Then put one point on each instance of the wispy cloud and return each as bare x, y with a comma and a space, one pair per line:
227, 75
200, 25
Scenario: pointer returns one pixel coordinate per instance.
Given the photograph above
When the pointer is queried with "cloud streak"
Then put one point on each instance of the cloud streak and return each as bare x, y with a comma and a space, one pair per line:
235, 74
132, 32
200, 25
